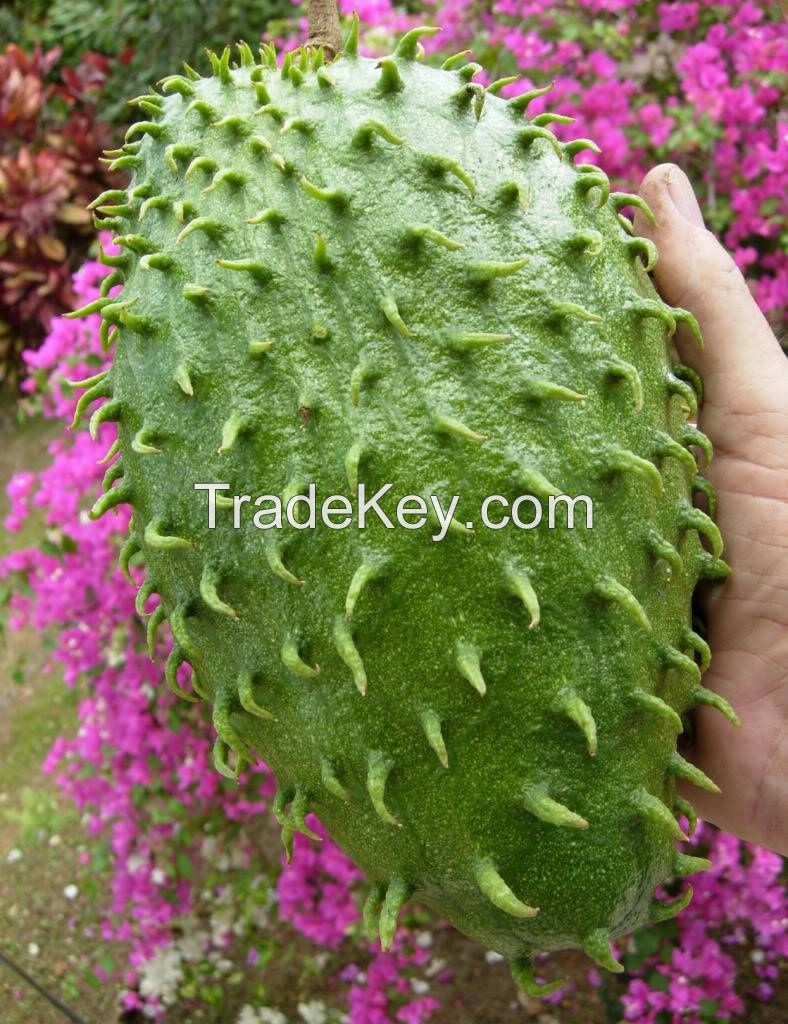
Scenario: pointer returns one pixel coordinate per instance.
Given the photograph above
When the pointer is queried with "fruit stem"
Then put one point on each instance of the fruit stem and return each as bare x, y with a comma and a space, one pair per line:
324, 27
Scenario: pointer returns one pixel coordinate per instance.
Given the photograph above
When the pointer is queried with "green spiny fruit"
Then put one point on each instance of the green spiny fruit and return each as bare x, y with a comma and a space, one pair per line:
374, 271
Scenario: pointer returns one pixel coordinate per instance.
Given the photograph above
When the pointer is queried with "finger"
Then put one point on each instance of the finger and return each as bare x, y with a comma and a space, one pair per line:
696, 273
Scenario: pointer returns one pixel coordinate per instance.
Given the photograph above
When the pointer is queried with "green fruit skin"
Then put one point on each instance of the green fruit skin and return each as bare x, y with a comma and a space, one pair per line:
338, 374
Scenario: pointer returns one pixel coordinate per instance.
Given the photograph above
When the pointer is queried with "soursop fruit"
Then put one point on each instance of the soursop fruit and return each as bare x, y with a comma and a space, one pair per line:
373, 271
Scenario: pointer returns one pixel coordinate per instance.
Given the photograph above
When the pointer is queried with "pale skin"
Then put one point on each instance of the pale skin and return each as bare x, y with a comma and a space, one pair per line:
745, 413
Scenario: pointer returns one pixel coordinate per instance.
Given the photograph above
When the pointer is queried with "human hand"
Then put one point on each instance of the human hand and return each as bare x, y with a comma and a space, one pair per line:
745, 413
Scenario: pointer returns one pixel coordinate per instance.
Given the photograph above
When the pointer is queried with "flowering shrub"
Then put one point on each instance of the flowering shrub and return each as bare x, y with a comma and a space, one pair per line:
49, 149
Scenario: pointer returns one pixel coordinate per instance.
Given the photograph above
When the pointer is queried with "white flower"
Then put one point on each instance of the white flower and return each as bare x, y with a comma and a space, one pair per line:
13, 856
158, 876
268, 1015
260, 914
757, 956
239, 856
313, 1013
193, 946
71, 892
208, 847
260, 917
55, 840
161, 975
224, 895
222, 922
434, 967
248, 1015
32, 948
424, 940
419, 986
492, 957
134, 862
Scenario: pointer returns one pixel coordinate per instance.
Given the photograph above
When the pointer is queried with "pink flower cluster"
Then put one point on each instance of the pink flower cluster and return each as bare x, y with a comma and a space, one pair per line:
316, 893
740, 902
130, 758
381, 994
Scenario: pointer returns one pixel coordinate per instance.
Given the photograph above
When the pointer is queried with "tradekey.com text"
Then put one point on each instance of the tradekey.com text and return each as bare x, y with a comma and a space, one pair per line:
302, 511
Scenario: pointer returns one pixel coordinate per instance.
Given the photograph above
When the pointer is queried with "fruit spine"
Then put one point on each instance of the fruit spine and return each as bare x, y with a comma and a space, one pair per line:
376, 271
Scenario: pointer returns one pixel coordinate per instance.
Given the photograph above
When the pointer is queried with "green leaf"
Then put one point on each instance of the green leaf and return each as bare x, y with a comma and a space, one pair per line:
658, 981
184, 865
709, 1009
107, 964
68, 544
646, 942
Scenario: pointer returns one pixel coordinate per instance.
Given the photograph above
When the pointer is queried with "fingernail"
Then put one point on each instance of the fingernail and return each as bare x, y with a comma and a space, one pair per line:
682, 194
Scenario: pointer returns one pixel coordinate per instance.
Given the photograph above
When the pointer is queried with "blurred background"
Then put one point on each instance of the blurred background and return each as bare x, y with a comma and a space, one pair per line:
136, 883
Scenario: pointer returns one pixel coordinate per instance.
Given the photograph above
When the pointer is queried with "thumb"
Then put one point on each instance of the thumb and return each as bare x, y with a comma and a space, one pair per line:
695, 272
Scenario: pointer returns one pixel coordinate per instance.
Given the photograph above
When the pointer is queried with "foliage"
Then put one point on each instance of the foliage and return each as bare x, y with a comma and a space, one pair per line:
50, 143
148, 38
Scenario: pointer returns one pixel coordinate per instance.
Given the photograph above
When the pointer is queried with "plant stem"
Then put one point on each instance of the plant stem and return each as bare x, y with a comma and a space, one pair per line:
324, 27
